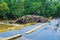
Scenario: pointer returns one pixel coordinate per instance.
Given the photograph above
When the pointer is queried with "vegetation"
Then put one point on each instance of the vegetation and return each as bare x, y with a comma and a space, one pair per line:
13, 9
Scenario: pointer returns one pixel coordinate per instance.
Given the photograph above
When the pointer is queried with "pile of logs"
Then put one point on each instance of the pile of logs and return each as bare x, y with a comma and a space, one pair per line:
30, 19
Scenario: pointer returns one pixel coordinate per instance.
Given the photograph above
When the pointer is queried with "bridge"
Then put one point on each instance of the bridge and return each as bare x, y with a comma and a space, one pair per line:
39, 31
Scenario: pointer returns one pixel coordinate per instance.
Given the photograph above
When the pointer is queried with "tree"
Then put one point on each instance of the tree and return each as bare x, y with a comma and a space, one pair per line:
3, 9
16, 8
31, 7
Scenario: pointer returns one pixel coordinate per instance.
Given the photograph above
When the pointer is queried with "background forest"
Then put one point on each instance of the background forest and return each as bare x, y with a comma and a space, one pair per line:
13, 9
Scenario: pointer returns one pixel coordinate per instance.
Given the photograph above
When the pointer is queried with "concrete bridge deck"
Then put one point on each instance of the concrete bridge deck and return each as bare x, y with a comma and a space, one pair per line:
45, 33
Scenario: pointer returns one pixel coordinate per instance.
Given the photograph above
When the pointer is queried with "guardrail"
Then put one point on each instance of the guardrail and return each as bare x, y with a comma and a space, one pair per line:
32, 30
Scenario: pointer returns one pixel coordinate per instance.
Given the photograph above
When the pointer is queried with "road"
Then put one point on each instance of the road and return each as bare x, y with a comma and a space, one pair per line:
45, 33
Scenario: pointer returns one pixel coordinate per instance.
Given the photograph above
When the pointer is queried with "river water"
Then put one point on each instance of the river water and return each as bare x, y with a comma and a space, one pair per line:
45, 33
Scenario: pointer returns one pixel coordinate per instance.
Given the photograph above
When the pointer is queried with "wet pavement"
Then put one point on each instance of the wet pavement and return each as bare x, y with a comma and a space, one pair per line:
45, 33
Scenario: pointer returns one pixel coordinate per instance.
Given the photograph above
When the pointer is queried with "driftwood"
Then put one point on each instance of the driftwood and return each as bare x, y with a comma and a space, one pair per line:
30, 19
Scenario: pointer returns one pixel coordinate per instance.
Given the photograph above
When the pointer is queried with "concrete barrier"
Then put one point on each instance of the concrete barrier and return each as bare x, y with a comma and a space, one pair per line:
30, 31
12, 37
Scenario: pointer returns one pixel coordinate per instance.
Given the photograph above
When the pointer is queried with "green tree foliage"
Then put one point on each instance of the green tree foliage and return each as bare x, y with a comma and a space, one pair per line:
31, 7
16, 8
4, 9
13, 9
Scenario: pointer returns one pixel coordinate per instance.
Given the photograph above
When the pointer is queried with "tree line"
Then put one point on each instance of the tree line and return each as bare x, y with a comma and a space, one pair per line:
13, 9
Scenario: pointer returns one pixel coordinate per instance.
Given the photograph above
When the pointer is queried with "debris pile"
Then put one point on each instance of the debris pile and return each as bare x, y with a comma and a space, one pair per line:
30, 19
